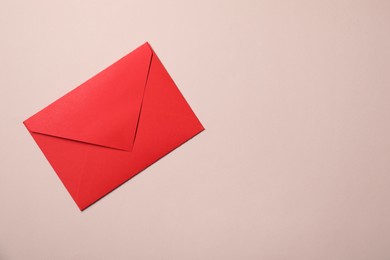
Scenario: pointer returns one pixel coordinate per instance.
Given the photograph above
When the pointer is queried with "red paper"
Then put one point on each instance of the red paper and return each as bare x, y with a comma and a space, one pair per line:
113, 126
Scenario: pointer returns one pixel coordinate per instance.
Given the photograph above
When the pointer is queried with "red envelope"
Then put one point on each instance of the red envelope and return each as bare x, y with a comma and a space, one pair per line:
113, 126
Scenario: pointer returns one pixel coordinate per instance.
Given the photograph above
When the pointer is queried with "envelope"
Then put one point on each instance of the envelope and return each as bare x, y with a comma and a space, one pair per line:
113, 126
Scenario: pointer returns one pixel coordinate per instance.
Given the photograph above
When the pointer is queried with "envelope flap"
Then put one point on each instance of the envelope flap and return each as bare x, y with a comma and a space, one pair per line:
103, 110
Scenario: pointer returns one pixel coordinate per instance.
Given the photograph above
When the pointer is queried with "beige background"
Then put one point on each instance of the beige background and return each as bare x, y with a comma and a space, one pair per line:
294, 162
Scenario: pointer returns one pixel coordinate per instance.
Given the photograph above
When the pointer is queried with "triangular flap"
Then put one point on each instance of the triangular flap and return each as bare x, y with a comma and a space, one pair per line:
105, 109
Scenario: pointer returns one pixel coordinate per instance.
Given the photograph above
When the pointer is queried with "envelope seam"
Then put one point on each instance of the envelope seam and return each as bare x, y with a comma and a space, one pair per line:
78, 141
143, 97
